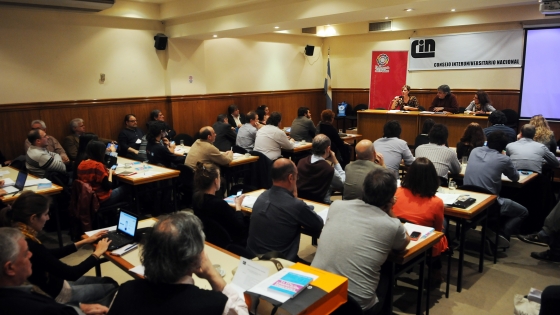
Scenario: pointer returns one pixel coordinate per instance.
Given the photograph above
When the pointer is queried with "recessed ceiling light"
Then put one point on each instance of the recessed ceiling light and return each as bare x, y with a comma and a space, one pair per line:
277, 27
215, 36
452, 10
408, 10
386, 18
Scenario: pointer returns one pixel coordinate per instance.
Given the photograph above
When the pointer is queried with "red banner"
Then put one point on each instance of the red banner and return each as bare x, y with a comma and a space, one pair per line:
388, 75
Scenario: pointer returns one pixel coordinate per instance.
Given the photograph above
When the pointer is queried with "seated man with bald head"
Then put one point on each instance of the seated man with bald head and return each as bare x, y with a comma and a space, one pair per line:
367, 160
39, 159
204, 151
52, 144
278, 215
320, 173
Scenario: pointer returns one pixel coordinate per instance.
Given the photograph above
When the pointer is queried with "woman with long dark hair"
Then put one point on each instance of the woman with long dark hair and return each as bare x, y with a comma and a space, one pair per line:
340, 148
418, 204
207, 205
263, 113
66, 284
473, 137
480, 104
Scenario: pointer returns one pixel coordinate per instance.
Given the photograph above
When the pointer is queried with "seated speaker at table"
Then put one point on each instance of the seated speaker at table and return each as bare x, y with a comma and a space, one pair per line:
405, 101
445, 100
480, 104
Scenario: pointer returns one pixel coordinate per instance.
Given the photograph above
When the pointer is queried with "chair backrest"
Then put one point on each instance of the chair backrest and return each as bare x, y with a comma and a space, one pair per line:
443, 181
188, 140
216, 234
461, 110
186, 176
361, 107
512, 118
260, 172
19, 163
238, 149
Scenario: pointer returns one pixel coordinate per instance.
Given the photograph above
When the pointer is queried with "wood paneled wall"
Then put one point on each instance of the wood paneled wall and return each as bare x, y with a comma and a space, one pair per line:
501, 99
186, 114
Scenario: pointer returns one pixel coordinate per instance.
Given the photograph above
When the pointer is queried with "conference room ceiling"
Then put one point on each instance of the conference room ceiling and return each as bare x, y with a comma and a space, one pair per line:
208, 19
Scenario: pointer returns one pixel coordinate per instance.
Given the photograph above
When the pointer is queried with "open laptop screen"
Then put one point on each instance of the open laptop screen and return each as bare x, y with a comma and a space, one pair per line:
20, 181
127, 223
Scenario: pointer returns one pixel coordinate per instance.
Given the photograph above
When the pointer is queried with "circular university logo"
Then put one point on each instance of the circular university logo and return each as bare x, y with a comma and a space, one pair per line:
382, 60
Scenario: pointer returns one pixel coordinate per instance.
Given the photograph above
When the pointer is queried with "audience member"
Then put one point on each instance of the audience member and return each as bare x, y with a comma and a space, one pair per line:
480, 104
473, 137
71, 142
172, 253
548, 235
278, 215
393, 149
263, 113
130, 138
417, 203
320, 173
157, 115
208, 206
445, 100
405, 101
338, 146
423, 138
38, 159
66, 284
485, 169
235, 119
527, 154
444, 158
204, 151
271, 139
367, 160
248, 132
303, 127
498, 121
358, 237
17, 298
52, 144
543, 133
225, 134
93, 172
159, 149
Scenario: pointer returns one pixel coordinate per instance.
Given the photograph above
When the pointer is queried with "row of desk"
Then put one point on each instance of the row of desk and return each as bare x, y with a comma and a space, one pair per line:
371, 122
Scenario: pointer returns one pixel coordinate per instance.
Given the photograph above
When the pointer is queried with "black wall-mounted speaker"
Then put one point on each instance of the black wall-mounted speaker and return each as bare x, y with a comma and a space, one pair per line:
161, 41
309, 50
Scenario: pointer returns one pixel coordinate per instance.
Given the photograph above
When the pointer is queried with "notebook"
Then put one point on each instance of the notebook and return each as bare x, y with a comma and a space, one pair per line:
125, 232
19, 184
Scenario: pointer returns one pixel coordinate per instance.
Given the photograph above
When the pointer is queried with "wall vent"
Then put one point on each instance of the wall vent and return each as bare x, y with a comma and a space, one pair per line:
380, 26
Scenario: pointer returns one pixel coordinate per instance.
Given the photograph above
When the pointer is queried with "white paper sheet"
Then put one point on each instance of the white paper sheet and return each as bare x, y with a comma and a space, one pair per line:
138, 270
448, 199
249, 274
8, 182
249, 201
2, 173
147, 174
34, 182
323, 214
393, 111
10, 189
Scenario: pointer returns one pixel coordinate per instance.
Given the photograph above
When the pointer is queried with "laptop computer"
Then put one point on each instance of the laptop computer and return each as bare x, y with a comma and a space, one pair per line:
18, 185
125, 232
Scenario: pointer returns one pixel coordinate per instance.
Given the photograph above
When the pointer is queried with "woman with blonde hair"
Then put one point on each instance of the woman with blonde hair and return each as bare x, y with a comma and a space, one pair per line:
543, 133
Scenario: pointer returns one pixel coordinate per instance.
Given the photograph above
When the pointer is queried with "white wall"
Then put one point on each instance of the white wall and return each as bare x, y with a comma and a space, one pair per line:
351, 61
55, 55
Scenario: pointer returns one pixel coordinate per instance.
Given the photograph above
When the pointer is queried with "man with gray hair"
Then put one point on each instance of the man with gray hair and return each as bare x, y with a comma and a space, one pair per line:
371, 231
445, 100
15, 268
52, 144
367, 160
71, 143
172, 253
320, 173
527, 154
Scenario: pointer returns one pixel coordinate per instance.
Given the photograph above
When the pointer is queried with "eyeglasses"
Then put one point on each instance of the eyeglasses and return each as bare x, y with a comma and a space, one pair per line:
132, 121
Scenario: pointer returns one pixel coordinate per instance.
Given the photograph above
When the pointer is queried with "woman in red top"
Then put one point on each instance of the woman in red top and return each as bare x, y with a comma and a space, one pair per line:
418, 204
93, 172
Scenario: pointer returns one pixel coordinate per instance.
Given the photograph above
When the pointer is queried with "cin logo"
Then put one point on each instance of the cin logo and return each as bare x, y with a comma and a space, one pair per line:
423, 48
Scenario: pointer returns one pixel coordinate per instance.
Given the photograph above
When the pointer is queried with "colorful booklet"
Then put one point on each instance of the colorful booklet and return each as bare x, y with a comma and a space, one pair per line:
291, 284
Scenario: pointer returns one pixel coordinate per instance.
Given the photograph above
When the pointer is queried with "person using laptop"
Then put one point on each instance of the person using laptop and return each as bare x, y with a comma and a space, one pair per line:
173, 253
125, 232
66, 284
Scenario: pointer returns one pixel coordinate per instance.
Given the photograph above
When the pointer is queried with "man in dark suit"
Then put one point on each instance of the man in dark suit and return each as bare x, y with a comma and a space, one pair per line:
225, 134
15, 268
235, 119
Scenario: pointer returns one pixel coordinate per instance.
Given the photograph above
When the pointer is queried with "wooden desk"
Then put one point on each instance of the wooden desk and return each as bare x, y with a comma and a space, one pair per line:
55, 189
153, 174
523, 179
317, 207
477, 211
371, 122
240, 160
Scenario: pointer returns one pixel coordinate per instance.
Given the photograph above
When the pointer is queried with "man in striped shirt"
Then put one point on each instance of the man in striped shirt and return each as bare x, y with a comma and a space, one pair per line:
444, 159
38, 159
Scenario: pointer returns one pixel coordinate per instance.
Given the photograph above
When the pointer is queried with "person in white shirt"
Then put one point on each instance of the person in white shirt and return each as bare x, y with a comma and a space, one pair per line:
393, 149
38, 159
172, 254
235, 119
444, 159
271, 139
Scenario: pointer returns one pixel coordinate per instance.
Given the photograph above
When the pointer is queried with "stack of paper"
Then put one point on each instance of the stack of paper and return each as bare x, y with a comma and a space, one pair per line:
34, 182
448, 199
8, 182
249, 201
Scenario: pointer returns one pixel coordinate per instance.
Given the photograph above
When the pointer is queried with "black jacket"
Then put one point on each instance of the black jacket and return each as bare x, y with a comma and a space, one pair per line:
20, 300
225, 136
232, 123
